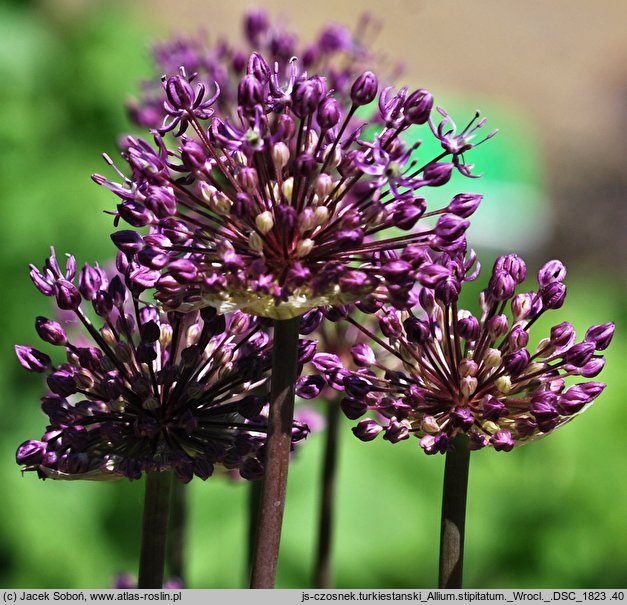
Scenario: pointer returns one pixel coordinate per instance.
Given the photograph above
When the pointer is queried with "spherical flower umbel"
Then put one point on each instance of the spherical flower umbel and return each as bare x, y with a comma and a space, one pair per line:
284, 208
146, 391
342, 53
441, 371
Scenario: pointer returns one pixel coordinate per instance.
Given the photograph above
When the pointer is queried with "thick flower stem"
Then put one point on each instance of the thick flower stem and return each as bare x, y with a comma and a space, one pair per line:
323, 574
254, 499
178, 532
454, 514
277, 453
154, 529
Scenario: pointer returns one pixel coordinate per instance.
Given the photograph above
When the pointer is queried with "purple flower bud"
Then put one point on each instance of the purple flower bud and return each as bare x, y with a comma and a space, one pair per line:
258, 68
451, 227
600, 335
306, 96
349, 238
31, 359
149, 331
437, 174
553, 295
501, 286
310, 321
407, 212
203, 469
356, 386
309, 387
417, 331
50, 331
61, 383
364, 89
447, 290
102, 303
328, 113
356, 282
68, 296
512, 264
134, 213
30, 452
498, 326
593, 367
89, 282
193, 156
255, 25
492, 409
544, 411
469, 328
396, 431
462, 418
477, 441
390, 325
465, 204
517, 338
580, 354
516, 362
363, 355
249, 93
367, 429
396, 271
251, 406
353, 408
552, 271
418, 107
435, 444
183, 270
502, 441
325, 362
179, 92
431, 275
562, 335
161, 201
576, 397
129, 242
117, 291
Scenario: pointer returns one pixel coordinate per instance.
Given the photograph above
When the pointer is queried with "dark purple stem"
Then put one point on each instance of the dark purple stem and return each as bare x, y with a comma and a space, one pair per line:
454, 514
178, 531
154, 529
254, 501
277, 453
323, 573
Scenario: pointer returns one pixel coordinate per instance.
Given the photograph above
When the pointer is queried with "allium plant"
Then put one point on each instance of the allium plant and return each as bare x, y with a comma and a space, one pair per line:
279, 210
336, 50
460, 382
143, 392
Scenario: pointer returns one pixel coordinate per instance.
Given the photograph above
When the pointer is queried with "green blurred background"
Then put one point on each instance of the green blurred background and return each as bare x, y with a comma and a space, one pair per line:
551, 514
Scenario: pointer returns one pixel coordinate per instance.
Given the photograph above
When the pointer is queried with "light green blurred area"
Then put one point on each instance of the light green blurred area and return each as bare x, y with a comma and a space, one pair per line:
550, 514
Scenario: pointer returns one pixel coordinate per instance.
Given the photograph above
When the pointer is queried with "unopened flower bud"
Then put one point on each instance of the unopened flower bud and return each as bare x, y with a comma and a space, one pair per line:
288, 188
264, 222
418, 107
504, 384
280, 155
492, 358
364, 89
304, 247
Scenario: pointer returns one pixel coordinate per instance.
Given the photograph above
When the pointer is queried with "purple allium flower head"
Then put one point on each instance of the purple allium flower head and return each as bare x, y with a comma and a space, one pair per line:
443, 371
282, 205
147, 391
343, 54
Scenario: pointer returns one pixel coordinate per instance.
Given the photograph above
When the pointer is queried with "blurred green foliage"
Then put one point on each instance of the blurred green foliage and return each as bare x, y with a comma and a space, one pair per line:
550, 514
